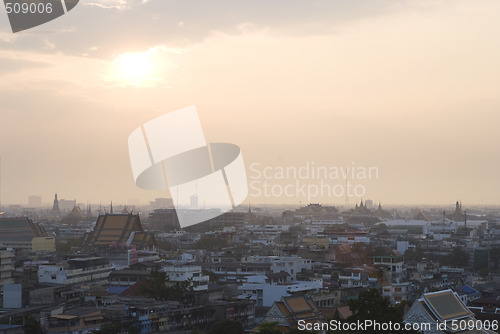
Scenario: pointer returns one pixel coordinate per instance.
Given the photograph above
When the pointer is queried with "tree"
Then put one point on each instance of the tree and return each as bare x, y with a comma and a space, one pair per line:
68, 246
212, 277
414, 254
381, 228
381, 251
361, 253
370, 305
192, 328
494, 257
111, 328
134, 330
484, 272
227, 327
268, 328
31, 324
211, 243
156, 287
457, 258
166, 246
298, 331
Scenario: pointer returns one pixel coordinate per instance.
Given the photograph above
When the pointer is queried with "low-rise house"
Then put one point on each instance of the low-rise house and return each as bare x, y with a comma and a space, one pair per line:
76, 321
441, 312
289, 312
397, 292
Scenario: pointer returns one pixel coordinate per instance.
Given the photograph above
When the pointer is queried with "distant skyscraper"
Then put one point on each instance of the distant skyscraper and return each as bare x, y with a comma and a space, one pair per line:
66, 205
194, 202
35, 201
55, 206
162, 203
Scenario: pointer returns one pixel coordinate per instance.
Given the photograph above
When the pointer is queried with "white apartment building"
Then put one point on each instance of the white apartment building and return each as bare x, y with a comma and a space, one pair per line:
265, 294
357, 278
398, 292
91, 271
349, 239
194, 274
289, 264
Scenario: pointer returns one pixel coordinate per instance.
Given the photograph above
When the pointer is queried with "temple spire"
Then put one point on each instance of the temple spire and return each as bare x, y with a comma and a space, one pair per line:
55, 206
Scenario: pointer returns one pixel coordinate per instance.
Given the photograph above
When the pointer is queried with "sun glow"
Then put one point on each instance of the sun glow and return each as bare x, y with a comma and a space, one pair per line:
135, 66
136, 69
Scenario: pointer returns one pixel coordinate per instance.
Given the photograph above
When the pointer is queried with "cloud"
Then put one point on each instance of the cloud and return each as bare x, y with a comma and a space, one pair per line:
11, 65
117, 26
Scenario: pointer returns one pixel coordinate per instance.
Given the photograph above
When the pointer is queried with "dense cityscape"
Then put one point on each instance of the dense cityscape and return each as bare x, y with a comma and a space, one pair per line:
249, 167
83, 268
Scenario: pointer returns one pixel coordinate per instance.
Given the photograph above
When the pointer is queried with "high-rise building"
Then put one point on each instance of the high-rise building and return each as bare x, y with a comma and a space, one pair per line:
35, 201
194, 202
6, 267
162, 203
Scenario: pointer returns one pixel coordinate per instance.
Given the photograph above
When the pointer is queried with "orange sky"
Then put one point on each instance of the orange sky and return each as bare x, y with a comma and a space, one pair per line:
408, 87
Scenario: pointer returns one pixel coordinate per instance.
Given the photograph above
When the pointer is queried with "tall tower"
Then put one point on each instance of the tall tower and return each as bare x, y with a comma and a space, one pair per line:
0, 182
55, 206
346, 203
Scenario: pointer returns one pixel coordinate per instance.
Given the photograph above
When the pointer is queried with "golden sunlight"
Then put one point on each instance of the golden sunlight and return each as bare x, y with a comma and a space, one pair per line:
136, 69
134, 66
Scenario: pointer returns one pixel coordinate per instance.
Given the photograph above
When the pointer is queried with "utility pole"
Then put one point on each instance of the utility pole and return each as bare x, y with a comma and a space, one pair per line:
0, 182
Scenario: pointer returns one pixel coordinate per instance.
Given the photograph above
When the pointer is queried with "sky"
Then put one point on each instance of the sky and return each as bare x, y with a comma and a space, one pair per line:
407, 88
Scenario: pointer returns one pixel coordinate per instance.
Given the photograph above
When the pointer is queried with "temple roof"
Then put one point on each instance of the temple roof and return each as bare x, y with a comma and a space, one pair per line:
76, 213
119, 229
421, 216
20, 227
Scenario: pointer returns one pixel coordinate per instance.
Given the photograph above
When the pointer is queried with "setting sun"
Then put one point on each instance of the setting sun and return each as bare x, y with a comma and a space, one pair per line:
135, 68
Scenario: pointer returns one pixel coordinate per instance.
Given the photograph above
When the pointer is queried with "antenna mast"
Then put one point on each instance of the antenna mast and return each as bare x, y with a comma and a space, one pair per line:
0, 182
346, 204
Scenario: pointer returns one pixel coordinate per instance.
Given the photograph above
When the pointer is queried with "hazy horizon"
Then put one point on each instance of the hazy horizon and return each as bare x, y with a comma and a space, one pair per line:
407, 87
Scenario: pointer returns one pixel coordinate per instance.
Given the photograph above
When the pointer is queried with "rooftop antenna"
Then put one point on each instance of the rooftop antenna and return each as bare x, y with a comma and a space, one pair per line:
444, 221
0, 182
465, 218
346, 204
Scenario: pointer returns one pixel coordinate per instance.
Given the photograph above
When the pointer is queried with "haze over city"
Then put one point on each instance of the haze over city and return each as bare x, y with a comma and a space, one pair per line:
409, 88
